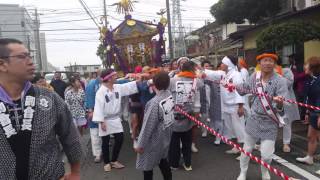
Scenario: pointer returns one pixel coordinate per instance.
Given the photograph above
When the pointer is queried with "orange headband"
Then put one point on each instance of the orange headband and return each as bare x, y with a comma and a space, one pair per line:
269, 55
243, 63
154, 70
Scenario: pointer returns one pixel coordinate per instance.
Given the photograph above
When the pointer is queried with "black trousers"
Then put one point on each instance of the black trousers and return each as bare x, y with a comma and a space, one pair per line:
175, 150
165, 170
118, 138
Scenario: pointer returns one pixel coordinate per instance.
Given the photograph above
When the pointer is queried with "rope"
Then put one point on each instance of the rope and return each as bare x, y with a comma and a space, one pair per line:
235, 145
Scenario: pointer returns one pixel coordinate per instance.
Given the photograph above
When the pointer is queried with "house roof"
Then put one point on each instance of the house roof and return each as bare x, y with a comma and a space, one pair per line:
278, 18
205, 28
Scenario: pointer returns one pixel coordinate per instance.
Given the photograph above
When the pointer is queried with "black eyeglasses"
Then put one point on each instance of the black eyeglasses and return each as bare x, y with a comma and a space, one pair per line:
19, 56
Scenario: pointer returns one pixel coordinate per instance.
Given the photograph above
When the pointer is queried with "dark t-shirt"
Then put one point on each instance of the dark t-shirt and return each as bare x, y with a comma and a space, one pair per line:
59, 87
20, 143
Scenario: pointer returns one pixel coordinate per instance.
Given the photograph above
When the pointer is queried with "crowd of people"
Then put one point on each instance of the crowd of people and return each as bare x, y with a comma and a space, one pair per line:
223, 97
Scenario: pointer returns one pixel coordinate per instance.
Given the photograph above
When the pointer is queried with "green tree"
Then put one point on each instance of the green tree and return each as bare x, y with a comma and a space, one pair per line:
101, 53
276, 36
236, 11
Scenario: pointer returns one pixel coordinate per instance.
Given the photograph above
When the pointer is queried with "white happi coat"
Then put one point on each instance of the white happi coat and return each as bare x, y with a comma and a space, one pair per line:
108, 106
245, 75
230, 100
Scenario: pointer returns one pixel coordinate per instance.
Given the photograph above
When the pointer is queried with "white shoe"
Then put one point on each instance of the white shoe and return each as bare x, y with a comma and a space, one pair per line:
242, 176
217, 141
233, 151
194, 148
266, 175
107, 167
306, 160
257, 147
173, 169
204, 133
286, 148
238, 158
97, 159
187, 168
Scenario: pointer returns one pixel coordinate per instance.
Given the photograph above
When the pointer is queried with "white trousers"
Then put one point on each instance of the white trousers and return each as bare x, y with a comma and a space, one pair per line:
96, 142
234, 126
287, 132
266, 149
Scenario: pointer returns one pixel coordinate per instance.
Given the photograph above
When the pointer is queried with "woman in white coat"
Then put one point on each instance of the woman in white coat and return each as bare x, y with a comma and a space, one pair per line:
232, 103
107, 112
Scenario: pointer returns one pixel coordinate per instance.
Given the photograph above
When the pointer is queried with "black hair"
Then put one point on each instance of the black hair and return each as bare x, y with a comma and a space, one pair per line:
36, 78
72, 80
106, 72
188, 66
205, 62
219, 64
172, 61
233, 59
4, 42
161, 80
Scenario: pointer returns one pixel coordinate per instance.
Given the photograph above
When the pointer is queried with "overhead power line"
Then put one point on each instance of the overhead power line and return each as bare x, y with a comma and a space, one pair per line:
83, 29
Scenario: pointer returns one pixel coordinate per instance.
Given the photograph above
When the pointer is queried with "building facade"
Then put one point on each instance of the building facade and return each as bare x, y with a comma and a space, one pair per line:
16, 22
302, 50
83, 69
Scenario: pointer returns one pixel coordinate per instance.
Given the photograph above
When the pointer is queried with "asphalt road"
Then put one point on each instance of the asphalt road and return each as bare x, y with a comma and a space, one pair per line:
210, 162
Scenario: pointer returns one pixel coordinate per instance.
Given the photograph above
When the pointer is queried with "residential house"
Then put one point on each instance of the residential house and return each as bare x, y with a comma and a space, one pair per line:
212, 41
293, 10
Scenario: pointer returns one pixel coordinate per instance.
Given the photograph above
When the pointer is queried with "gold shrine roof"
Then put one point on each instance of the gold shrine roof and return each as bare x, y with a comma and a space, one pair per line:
131, 28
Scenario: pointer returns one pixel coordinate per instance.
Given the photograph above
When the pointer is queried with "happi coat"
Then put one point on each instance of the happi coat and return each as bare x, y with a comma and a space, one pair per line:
291, 110
156, 131
260, 125
230, 100
187, 100
52, 125
213, 79
108, 106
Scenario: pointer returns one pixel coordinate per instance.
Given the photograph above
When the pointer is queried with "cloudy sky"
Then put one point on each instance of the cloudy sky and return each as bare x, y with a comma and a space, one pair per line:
59, 17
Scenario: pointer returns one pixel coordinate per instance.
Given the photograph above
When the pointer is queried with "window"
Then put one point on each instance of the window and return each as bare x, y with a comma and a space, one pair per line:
84, 68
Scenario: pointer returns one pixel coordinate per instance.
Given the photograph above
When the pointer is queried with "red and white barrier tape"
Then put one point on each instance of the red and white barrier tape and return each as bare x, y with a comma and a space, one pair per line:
231, 87
227, 141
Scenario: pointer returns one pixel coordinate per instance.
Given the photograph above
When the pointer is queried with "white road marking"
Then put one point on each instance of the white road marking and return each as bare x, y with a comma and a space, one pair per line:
295, 168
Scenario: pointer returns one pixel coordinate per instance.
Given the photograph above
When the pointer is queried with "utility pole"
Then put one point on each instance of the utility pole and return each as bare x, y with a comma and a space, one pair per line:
105, 13
37, 36
179, 45
169, 29
28, 41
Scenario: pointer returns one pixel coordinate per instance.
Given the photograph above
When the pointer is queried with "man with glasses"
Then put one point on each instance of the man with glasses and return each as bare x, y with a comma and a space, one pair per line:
30, 120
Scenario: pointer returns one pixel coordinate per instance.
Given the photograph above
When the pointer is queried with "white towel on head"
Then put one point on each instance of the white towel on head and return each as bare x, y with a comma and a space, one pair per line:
182, 58
229, 63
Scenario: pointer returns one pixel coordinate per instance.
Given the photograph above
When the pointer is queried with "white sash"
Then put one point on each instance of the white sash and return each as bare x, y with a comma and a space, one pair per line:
267, 107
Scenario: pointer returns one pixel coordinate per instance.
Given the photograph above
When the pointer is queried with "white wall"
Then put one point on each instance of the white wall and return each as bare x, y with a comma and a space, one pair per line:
228, 29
